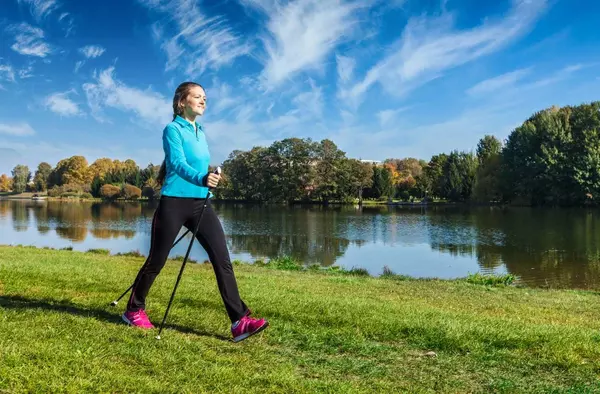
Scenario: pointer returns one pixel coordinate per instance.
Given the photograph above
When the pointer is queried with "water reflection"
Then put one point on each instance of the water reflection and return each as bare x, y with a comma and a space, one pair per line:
558, 248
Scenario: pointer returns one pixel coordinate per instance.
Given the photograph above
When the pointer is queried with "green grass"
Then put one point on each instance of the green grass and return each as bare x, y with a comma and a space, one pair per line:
331, 331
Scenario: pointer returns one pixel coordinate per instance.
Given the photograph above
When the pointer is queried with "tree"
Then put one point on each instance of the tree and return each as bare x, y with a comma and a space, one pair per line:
360, 178
101, 167
5, 183
150, 172
459, 176
42, 174
487, 181
328, 170
487, 147
434, 172
554, 157
382, 183
72, 170
289, 168
245, 176
21, 177
151, 189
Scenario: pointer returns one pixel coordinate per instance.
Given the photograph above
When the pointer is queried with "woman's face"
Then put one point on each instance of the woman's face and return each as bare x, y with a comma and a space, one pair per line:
195, 102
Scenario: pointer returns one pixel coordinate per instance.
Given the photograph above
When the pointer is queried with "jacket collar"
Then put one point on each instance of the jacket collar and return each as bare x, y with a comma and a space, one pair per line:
184, 123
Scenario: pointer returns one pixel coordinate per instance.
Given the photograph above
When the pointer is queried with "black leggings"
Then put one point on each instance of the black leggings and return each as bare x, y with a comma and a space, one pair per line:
171, 214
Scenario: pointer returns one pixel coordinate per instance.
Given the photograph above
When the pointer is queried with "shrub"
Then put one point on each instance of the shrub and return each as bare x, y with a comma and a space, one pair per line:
491, 280
149, 192
55, 191
133, 253
110, 191
73, 188
99, 251
285, 263
131, 192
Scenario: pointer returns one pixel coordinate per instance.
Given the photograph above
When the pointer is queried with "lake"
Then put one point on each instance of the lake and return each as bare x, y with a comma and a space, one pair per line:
557, 248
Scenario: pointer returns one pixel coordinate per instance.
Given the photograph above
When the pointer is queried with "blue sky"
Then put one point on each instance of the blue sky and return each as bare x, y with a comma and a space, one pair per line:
381, 78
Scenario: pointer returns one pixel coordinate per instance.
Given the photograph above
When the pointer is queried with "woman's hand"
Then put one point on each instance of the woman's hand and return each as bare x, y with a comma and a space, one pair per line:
212, 180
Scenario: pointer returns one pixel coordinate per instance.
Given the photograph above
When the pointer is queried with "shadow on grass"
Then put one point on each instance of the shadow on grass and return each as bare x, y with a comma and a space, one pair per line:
17, 302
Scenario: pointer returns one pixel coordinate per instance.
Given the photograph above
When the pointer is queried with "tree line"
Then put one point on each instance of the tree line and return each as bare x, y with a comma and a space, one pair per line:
73, 177
553, 158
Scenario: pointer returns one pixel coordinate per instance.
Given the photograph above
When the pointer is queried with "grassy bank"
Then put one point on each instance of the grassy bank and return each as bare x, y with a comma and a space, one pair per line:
330, 332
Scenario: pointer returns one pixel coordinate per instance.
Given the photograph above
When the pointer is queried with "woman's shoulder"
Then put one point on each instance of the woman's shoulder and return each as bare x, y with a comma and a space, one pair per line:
172, 126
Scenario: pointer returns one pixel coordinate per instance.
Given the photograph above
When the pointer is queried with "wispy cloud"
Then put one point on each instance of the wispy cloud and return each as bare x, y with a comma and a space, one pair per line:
221, 97
92, 51
511, 83
107, 91
19, 129
301, 34
200, 42
310, 102
431, 45
68, 23
26, 72
7, 73
40, 9
89, 52
496, 83
557, 76
29, 40
78, 65
345, 68
389, 116
61, 104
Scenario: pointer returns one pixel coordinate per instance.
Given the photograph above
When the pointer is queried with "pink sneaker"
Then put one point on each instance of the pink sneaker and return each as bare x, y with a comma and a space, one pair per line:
246, 327
137, 319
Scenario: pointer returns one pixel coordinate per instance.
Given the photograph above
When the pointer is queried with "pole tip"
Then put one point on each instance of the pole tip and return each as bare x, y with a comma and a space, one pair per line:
114, 303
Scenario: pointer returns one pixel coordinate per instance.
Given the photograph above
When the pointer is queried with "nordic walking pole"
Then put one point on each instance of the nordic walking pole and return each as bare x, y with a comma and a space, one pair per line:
218, 171
115, 302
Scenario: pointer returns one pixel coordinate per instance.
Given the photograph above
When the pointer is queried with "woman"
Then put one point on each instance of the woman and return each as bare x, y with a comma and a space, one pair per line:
185, 183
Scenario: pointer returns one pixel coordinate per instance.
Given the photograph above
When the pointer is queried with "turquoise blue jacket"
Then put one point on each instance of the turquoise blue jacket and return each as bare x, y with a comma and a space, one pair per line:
186, 158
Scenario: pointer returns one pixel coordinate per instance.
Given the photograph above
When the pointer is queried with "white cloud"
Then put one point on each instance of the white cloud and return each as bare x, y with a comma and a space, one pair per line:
92, 51
220, 97
78, 65
301, 34
40, 9
389, 116
201, 42
26, 72
61, 104
29, 40
67, 20
345, 68
429, 46
558, 76
109, 92
20, 129
507, 86
310, 102
502, 81
7, 73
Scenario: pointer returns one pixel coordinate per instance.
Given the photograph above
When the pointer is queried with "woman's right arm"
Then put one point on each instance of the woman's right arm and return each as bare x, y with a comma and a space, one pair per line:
173, 146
